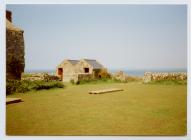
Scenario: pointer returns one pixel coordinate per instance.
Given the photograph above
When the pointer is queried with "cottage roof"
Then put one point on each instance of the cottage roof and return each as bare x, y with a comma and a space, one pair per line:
73, 62
94, 63
12, 27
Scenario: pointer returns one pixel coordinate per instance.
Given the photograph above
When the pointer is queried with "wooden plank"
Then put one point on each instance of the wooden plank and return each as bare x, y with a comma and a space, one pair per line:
13, 100
105, 91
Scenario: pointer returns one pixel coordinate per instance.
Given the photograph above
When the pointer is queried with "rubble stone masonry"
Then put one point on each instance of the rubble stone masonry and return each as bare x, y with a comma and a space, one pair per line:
156, 76
15, 61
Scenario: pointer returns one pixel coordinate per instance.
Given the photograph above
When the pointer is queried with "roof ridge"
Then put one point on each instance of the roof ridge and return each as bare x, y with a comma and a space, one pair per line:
94, 63
72, 60
89, 59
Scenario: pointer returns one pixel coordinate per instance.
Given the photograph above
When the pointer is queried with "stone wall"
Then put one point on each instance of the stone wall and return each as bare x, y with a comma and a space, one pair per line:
68, 72
15, 62
156, 76
14, 54
39, 77
81, 65
84, 76
81, 76
69, 77
121, 76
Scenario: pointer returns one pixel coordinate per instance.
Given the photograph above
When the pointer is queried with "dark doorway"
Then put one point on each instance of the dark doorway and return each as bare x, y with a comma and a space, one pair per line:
86, 70
60, 72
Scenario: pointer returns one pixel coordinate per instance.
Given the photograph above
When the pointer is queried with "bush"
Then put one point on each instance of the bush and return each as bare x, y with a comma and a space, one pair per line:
15, 86
11, 86
104, 74
47, 85
72, 81
23, 87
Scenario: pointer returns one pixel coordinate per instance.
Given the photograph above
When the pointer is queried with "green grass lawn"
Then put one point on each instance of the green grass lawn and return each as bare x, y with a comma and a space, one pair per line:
141, 109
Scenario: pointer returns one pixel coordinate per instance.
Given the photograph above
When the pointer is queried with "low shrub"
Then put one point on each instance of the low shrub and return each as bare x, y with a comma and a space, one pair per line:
104, 74
24, 86
11, 86
15, 86
47, 85
72, 81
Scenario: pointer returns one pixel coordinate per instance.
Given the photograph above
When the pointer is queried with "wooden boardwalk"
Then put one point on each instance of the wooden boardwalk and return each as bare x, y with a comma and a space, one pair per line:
13, 100
105, 91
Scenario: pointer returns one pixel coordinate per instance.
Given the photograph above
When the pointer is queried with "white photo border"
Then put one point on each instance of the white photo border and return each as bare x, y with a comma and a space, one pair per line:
3, 68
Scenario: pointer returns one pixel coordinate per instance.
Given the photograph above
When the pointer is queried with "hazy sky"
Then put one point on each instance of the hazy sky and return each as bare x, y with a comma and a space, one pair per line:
118, 36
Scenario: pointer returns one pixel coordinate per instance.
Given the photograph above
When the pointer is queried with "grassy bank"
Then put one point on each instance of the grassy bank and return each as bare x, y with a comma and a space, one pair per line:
109, 80
141, 109
97, 81
169, 82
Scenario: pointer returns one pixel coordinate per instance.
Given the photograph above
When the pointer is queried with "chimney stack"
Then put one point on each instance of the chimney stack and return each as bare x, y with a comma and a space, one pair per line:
9, 15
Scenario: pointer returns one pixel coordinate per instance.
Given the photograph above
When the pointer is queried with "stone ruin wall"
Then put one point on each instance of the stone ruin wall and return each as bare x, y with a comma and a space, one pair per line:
14, 54
156, 76
121, 76
82, 76
15, 61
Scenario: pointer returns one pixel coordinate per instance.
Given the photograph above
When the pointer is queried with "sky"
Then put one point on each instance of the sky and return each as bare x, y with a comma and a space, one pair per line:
118, 36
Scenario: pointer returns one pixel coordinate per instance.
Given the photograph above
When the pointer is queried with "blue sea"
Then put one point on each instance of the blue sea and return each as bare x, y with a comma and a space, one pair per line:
130, 72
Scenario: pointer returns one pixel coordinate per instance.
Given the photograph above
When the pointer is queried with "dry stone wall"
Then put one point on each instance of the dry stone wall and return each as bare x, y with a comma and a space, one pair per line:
156, 76
121, 76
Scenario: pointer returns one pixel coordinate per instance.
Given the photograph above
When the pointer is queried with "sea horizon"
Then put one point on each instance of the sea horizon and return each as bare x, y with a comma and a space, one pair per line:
131, 72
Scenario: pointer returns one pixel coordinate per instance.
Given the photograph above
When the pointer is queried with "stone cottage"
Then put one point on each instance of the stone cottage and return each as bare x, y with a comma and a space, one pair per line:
67, 70
15, 62
79, 69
